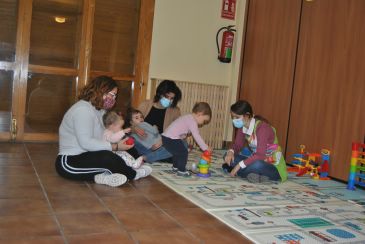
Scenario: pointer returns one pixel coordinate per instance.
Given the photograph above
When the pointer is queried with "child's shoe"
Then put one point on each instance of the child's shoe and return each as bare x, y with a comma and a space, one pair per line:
113, 180
174, 169
143, 171
137, 163
183, 173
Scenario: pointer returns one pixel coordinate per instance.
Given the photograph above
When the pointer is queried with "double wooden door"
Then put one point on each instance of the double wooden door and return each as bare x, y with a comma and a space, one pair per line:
303, 69
49, 49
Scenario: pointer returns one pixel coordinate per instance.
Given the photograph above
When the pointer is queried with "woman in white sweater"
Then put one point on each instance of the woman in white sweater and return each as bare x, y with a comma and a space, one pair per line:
83, 154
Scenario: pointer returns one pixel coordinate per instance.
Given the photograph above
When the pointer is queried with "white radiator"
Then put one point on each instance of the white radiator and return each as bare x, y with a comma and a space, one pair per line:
216, 96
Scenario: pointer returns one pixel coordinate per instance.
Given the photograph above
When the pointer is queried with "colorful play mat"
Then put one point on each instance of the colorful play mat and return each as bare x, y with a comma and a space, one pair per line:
300, 210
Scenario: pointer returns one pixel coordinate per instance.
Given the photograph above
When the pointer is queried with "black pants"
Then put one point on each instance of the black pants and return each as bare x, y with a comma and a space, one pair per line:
86, 165
178, 151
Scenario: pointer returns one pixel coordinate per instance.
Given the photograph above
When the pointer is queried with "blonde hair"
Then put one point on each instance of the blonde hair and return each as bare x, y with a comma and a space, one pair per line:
110, 118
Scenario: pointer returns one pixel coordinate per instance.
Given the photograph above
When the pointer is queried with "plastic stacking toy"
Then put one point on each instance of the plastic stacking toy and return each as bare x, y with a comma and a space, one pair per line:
314, 164
357, 166
204, 164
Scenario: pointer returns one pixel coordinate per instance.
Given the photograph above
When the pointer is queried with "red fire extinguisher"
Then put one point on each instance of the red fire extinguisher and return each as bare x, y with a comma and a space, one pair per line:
225, 53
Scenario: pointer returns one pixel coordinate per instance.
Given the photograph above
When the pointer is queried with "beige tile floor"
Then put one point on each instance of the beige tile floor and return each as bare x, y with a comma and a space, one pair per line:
38, 206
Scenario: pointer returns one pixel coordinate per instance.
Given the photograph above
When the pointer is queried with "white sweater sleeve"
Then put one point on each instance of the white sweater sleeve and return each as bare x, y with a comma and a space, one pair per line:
82, 130
84, 124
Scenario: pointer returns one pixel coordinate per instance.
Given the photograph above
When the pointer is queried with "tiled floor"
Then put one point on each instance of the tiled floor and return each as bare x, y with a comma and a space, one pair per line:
38, 206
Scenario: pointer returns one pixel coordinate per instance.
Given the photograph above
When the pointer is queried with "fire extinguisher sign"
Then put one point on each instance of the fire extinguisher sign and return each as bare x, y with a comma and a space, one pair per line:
228, 9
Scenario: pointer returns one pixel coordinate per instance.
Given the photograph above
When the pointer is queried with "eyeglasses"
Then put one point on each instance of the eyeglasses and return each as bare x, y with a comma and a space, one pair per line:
113, 95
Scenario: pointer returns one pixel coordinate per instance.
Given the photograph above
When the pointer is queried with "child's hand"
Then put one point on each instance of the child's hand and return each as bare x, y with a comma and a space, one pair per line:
157, 145
127, 130
140, 132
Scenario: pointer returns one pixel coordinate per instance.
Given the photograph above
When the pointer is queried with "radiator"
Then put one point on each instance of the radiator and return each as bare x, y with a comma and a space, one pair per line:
216, 96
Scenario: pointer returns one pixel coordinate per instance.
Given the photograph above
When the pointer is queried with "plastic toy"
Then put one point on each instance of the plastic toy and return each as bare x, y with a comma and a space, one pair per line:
129, 141
314, 164
357, 168
204, 164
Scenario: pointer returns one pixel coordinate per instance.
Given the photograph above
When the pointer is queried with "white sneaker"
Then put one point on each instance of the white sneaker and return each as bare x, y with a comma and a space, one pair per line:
137, 163
143, 171
110, 179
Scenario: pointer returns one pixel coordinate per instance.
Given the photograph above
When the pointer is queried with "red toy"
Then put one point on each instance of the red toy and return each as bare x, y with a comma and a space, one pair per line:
129, 141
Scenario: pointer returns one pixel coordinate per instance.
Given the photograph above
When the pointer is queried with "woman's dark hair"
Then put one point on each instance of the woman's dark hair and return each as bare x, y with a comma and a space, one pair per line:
167, 86
93, 92
128, 118
242, 107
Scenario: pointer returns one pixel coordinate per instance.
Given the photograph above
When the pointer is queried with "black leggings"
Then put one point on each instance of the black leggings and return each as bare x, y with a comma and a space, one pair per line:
88, 164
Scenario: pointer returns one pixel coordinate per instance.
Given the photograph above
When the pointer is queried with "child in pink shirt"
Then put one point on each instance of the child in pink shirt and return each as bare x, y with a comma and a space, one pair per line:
174, 135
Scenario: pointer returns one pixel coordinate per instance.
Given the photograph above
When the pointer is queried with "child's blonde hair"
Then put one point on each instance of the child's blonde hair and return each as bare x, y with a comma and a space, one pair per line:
110, 117
204, 108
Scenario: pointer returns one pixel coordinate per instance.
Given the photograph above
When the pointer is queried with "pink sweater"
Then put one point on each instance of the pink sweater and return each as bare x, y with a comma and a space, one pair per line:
113, 137
182, 126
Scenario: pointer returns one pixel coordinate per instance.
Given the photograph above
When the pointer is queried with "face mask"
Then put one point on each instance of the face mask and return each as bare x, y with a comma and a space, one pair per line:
108, 103
165, 102
238, 123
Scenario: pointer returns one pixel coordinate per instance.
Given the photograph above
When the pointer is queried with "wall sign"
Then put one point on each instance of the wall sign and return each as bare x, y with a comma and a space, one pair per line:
228, 9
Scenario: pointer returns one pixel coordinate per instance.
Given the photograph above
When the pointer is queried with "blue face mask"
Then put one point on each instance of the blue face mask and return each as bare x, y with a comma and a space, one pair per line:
238, 123
165, 102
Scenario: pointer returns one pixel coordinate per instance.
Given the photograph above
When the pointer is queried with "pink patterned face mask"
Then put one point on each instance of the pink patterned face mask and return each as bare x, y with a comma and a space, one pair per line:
108, 102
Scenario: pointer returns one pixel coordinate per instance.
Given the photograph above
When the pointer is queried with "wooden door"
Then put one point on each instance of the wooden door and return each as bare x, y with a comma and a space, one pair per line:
50, 49
269, 59
328, 97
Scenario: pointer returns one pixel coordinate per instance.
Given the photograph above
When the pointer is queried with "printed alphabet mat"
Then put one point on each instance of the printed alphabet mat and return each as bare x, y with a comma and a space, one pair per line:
300, 210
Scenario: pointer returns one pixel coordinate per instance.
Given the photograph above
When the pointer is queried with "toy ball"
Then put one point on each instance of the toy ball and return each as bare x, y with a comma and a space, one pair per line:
129, 141
206, 153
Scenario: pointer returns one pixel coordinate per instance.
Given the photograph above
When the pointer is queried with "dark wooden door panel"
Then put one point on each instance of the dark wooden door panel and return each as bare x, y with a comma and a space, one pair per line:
329, 87
269, 59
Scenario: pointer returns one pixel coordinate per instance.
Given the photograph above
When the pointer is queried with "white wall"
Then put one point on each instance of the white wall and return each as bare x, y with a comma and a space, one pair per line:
184, 45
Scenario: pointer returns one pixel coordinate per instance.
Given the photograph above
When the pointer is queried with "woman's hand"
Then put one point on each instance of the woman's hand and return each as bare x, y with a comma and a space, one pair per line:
139, 131
124, 147
235, 170
229, 157
157, 145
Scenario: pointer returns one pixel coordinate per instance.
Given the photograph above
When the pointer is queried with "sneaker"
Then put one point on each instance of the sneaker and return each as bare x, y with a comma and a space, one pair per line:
174, 169
137, 163
253, 178
143, 171
113, 180
183, 173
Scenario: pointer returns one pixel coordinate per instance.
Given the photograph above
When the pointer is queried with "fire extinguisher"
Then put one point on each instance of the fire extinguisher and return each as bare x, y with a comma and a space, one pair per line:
225, 53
